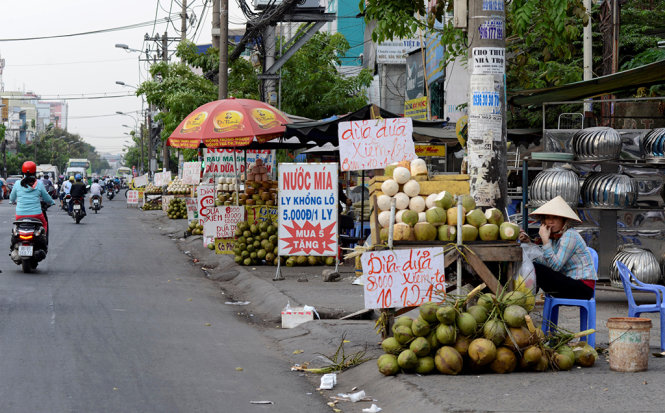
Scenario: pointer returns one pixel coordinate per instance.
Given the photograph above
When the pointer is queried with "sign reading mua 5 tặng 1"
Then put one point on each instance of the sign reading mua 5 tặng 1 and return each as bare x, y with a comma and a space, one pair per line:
403, 278
308, 209
373, 144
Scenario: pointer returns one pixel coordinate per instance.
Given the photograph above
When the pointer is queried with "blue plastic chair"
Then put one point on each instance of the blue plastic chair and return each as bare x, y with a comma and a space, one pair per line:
587, 309
635, 310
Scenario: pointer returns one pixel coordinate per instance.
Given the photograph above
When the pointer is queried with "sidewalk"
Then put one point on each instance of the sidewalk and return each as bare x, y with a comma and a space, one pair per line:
594, 389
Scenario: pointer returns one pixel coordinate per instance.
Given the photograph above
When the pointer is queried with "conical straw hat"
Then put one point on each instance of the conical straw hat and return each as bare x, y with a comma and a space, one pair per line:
559, 208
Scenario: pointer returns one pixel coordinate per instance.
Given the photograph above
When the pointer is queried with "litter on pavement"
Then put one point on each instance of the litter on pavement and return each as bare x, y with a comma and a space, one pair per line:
328, 381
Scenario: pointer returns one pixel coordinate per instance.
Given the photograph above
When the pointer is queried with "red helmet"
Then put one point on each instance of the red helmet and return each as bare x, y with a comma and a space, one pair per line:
29, 167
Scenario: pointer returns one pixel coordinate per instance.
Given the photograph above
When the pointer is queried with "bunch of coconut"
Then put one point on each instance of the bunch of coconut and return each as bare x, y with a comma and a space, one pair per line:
492, 334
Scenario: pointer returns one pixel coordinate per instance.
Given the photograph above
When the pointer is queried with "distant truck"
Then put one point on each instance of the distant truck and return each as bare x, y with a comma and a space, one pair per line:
80, 166
49, 169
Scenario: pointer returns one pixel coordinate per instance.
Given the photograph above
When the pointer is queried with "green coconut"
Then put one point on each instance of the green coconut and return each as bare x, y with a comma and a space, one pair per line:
487, 301
448, 361
482, 351
563, 361
542, 364
403, 334
424, 231
428, 311
383, 234
468, 202
410, 217
509, 231
476, 217
404, 320
445, 334
466, 323
446, 314
433, 341
531, 355
514, 298
420, 327
488, 232
391, 346
517, 338
445, 200
425, 365
420, 346
462, 344
495, 331
478, 312
505, 361
435, 216
514, 315
469, 233
451, 216
585, 355
388, 365
494, 216
407, 360
447, 233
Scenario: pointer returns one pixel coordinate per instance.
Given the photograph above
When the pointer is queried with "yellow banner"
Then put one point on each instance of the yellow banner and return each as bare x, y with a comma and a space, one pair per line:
431, 150
416, 108
224, 245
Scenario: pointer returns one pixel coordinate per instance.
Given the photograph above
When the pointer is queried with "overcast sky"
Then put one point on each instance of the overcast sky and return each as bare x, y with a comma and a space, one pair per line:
90, 64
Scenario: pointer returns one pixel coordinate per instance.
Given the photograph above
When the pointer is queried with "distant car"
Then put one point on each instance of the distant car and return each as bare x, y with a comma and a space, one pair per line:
11, 179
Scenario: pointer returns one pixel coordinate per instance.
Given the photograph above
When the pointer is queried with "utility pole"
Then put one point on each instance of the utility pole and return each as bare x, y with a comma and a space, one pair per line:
586, 49
215, 23
224, 50
183, 21
165, 58
149, 123
486, 144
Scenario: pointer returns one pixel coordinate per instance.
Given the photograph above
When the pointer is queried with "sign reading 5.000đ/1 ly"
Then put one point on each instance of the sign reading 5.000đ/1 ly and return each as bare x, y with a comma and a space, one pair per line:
308, 209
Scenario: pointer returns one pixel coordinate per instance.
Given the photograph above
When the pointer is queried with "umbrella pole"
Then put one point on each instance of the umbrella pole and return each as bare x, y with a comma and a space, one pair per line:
362, 207
237, 184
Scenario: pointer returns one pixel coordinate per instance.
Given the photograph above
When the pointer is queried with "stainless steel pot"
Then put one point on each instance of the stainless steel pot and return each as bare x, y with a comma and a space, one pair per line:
653, 146
607, 190
599, 144
552, 182
640, 261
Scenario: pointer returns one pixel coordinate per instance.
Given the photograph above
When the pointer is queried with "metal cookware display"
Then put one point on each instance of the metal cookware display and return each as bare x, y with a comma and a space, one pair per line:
640, 261
597, 144
552, 182
608, 190
653, 146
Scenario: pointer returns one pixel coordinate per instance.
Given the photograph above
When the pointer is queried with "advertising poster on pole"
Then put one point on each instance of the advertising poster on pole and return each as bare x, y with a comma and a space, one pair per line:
403, 278
191, 173
373, 144
221, 222
308, 209
219, 162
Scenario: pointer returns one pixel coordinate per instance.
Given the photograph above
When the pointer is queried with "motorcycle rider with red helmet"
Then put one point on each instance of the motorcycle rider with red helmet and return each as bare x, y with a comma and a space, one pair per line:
28, 195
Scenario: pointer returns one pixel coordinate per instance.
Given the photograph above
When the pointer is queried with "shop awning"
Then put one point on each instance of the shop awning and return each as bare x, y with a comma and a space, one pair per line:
646, 75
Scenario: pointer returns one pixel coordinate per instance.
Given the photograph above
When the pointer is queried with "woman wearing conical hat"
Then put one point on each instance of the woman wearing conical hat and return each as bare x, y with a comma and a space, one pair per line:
566, 269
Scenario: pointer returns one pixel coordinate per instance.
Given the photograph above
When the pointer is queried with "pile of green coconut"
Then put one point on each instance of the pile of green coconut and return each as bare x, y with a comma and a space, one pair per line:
487, 334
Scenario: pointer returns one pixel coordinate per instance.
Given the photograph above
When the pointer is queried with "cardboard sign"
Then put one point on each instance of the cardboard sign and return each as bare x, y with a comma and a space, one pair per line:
259, 214
221, 222
191, 173
373, 144
308, 209
166, 200
192, 209
205, 199
224, 245
162, 178
220, 163
141, 180
133, 197
403, 278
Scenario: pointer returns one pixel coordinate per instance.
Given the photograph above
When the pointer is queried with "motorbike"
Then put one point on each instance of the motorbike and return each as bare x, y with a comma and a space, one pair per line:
110, 192
96, 204
77, 209
65, 203
29, 242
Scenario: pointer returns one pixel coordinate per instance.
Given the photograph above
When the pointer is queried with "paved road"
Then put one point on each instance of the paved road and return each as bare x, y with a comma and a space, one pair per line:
117, 320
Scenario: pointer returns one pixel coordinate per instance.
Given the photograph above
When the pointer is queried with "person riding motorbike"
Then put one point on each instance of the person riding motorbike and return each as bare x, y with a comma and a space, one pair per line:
96, 191
66, 188
28, 195
78, 191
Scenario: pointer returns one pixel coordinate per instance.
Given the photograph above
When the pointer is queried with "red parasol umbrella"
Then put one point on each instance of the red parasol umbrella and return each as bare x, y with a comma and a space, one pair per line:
229, 123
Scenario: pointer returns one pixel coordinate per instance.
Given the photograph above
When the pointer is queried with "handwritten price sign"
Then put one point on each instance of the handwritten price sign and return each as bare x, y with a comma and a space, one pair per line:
205, 198
307, 209
221, 221
373, 144
403, 278
133, 197
191, 173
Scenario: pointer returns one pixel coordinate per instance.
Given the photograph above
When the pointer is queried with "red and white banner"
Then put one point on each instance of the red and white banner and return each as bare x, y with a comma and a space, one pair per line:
220, 163
308, 209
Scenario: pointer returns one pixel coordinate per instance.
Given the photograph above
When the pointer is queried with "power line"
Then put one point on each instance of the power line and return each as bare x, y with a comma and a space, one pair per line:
56, 97
69, 63
112, 29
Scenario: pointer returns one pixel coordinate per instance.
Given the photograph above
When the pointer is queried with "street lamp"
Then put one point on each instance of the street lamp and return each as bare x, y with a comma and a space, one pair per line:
126, 47
121, 83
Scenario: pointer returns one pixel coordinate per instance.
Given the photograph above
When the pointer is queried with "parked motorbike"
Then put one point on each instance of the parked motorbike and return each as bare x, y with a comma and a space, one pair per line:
96, 203
29, 242
77, 209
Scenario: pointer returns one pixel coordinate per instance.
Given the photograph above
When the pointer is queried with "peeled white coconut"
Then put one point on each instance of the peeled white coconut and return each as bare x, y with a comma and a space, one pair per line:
418, 167
401, 175
220, 180
401, 200
417, 204
411, 188
422, 217
429, 202
398, 216
383, 202
390, 187
384, 219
